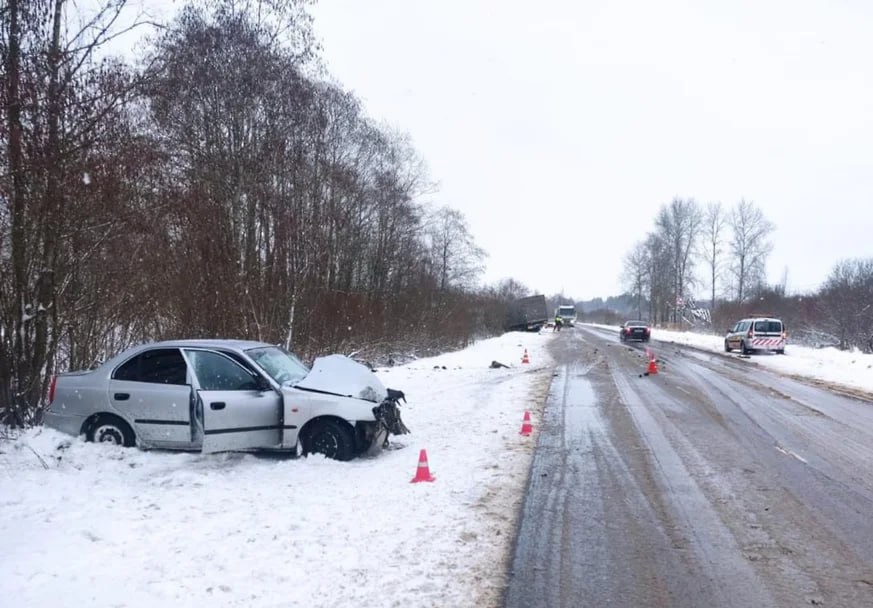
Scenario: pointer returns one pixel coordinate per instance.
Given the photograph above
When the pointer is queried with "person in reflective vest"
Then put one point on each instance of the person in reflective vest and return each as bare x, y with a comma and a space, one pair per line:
558, 322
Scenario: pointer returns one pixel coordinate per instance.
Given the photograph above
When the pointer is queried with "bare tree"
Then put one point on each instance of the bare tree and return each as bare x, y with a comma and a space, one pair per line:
847, 302
456, 259
713, 230
678, 226
62, 106
661, 295
637, 268
749, 247
509, 289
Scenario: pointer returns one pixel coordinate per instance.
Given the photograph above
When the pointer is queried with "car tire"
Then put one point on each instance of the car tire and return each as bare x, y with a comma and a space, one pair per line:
727, 347
746, 351
332, 438
107, 428
781, 351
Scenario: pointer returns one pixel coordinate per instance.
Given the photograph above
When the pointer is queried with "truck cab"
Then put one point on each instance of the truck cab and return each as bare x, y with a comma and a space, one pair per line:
567, 314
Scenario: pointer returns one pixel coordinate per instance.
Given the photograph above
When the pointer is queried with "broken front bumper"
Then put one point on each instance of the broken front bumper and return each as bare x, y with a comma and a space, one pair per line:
387, 413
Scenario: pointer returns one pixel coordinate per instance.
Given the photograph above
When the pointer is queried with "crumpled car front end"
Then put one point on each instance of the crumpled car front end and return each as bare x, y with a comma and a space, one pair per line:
372, 437
361, 389
388, 413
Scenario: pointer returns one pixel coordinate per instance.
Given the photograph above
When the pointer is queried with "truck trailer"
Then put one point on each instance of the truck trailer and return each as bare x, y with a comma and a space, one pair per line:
527, 314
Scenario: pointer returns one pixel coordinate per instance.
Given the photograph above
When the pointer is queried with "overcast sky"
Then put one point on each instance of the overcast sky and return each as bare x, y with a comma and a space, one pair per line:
560, 127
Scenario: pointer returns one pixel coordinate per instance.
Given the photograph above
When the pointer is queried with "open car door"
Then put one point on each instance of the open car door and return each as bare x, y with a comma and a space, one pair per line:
236, 412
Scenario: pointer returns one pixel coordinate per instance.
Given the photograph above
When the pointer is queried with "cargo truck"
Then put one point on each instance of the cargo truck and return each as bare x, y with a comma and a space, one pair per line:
527, 314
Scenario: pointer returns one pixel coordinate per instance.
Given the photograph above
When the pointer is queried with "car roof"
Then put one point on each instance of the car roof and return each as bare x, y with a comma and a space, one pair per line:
237, 345
208, 343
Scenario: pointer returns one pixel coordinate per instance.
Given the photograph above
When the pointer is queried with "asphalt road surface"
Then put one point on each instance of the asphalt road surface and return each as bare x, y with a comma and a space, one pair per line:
713, 483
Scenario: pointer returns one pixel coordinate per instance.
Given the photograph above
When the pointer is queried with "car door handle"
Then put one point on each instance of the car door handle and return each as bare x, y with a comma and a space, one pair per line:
217, 405
122, 396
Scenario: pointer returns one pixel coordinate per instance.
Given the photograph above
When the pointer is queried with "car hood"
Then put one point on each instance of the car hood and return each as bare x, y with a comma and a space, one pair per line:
339, 375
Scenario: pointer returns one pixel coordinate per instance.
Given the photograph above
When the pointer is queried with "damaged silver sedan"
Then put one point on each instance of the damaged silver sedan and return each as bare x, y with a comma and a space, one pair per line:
222, 395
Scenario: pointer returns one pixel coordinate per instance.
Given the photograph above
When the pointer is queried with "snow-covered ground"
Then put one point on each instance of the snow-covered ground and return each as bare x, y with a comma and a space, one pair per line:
88, 525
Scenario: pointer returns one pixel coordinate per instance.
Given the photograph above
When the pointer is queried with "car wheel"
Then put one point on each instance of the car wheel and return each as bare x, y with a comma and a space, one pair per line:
781, 351
332, 438
111, 429
746, 351
727, 347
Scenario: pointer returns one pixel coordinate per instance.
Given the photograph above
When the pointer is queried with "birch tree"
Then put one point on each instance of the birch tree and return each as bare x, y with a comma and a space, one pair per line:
749, 247
678, 226
713, 229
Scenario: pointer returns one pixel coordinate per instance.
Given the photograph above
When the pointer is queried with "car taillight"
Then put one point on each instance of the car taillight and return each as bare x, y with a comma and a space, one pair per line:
750, 334
648, 330
52, 386
627, 330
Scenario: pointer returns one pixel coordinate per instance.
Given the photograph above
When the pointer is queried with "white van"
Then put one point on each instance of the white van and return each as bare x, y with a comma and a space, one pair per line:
756, 334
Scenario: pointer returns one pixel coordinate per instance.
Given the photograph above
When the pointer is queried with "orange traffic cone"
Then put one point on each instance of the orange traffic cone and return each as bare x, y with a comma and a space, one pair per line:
653, 367
525, 358
422, 473
526, 428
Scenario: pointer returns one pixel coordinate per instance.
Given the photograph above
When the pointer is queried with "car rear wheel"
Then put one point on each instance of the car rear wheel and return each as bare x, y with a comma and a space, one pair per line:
332, 438
112, 430
745, 349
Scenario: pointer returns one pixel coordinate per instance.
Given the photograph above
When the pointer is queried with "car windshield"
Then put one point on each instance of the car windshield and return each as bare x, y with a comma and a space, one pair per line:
282, 366
567, 310
636, 324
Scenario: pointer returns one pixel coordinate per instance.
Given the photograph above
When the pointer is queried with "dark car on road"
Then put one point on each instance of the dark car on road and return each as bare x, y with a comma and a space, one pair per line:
635, 330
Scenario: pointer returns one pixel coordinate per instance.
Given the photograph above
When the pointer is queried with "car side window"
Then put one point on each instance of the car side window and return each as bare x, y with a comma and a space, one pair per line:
217, 372
157, 366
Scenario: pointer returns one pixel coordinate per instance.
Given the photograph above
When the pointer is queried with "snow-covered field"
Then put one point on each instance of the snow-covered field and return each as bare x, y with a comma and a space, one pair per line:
88, 525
